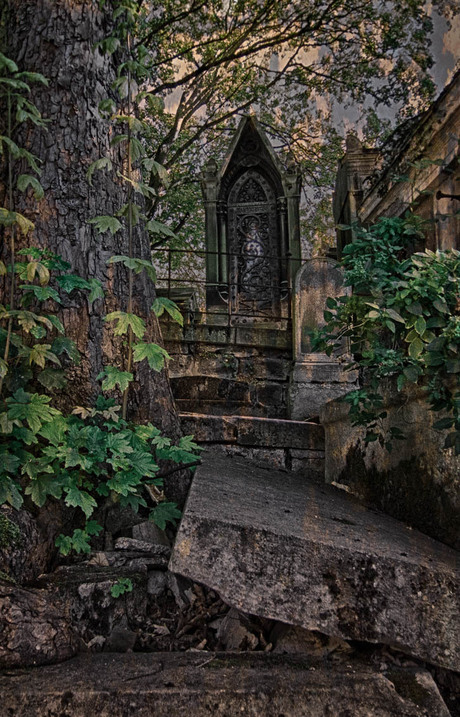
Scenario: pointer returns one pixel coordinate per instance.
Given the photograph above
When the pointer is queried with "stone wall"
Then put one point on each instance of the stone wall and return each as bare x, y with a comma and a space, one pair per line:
417, 482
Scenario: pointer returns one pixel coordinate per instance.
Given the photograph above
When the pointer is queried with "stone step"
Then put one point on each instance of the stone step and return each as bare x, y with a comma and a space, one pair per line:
202, 683
222, 396
277, 546
281, 443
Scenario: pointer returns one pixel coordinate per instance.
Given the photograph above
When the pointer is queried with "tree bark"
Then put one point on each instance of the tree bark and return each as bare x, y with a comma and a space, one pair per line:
57, 38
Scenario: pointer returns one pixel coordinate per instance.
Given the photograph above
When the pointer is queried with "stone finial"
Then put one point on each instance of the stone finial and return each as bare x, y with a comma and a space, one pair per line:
353, 144
210, 168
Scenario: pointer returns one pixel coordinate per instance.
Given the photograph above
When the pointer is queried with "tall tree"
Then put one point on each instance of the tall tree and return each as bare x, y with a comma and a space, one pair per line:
59, 39
297, 63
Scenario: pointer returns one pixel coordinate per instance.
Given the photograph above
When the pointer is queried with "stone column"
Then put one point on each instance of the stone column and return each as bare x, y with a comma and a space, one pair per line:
291, 186
316, 378
210, 188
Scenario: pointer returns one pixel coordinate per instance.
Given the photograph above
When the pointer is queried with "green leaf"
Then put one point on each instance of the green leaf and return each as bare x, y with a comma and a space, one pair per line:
106, 107
420, 325
125, 322
415, 308
27, 180
156, 227
395, 316
136, 265
9, 463
162, 304
56, 323
163, 513
41, 293
154, 354
62, 344
55, 430
80, 541
97, 290
10, 65
411, 373
106, 224
8, 218
441, 306
64, 543
9, 492
30, 407
69, 282
113, 377
443, 423
453, 366
415, 348
103, 163
52, 378
80, 499
122, 586
40, 353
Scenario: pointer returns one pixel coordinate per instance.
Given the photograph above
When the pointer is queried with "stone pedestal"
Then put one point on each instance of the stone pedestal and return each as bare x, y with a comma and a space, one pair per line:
316, 378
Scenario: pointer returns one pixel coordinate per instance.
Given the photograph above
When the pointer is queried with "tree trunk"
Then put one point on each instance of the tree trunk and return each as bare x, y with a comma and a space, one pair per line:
57, 38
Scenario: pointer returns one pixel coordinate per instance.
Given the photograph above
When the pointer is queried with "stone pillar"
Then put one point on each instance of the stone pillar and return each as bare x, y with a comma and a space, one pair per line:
291, 185
210, 189
316, 378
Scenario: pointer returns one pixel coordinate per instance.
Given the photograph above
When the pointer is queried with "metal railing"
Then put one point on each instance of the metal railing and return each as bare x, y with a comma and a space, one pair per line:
182, 277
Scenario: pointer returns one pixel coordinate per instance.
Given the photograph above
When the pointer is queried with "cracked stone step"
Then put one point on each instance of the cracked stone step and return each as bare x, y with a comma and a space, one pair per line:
200, 684
275, 545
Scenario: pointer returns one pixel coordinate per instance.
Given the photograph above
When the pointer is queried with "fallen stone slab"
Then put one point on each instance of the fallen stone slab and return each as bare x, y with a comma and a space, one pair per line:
276, 545
200, 684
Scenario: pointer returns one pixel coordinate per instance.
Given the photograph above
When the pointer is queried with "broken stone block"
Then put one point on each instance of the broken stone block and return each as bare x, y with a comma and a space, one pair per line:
33, 629
200, 684
148, 532
233, 632
157, 583
275, 545
291, 640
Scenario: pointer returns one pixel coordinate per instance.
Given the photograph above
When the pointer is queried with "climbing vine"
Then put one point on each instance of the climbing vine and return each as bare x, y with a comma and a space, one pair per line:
402, 323
93, 457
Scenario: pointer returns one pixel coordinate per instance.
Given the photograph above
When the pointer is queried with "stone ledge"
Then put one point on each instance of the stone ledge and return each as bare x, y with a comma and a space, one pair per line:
204, 683
274, 545
253, 431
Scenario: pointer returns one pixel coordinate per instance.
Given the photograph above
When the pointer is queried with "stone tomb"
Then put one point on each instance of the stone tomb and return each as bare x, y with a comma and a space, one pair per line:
252, 231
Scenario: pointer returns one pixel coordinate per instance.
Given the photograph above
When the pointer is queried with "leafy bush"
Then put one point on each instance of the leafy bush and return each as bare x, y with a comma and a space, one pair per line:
402, 322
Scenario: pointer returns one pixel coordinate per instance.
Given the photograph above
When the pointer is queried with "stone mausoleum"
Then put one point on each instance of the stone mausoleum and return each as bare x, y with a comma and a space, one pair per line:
242, 371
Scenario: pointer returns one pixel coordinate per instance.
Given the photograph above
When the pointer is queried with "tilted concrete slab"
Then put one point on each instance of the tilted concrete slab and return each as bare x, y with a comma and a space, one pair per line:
200, 684
277, 545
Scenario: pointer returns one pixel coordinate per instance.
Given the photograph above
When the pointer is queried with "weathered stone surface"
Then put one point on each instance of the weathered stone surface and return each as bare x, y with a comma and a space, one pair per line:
418, 481
275, 545
84, 591
200, 684
233, 632
33, 630
150, 533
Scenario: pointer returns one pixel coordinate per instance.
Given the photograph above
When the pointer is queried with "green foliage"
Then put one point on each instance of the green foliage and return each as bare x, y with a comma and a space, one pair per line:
92, 457
85, 459
155, 355
126, 322
106, 224
162, 304
165, 513
113, 377
121, 587
402, 322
